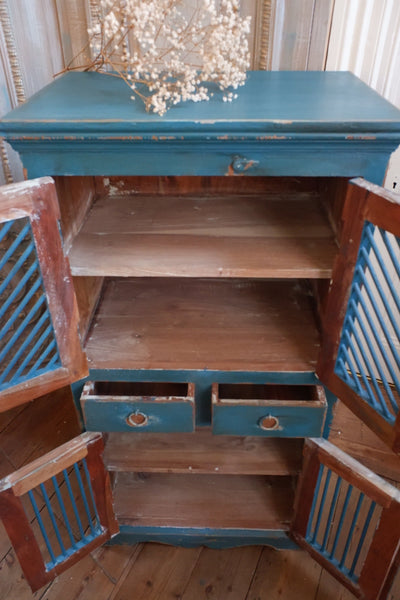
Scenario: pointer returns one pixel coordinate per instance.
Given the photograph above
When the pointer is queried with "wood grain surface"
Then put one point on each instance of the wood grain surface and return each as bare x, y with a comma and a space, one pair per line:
204, 501
271, 235
204, 324
202, 452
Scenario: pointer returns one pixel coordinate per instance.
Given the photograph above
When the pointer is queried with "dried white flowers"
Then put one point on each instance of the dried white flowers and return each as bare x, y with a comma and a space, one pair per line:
170, 51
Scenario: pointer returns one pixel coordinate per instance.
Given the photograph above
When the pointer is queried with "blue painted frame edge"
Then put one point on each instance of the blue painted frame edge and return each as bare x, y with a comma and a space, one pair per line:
213, 538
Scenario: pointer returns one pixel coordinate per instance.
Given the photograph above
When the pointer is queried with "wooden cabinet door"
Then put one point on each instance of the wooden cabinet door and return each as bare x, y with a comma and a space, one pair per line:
348, 519
360, 351
58, 508
39, 344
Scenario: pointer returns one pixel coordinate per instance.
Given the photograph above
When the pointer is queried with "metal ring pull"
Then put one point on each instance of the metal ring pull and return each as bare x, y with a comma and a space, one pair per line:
269, 423
137, 419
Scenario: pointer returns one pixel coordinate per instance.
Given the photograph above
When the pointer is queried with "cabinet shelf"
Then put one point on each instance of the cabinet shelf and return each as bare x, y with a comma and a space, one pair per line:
257, 236
203, 501
232, 325
202, 452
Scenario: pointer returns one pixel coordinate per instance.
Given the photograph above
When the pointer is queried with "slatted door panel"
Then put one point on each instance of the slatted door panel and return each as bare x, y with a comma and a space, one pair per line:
360, 355
39, 344
58, 509
348, 519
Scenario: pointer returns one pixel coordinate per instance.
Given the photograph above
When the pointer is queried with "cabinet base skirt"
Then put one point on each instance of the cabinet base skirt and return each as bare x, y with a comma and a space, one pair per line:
212, 538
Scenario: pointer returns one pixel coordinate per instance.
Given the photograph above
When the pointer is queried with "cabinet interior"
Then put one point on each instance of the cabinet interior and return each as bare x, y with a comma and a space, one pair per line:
204, 501
252, 392
201, 272
203, 480
203, 453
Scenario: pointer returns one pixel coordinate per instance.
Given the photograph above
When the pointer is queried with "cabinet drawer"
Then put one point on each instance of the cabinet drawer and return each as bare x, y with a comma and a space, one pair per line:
132, 406
268, 410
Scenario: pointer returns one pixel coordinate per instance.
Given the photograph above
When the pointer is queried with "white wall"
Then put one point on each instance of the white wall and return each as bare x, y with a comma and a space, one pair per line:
365, 39
39, 37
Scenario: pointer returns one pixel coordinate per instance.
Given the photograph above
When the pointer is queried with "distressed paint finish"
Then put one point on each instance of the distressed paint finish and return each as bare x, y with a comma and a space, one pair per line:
212, 538
167, 414
202, 379
308, 158
294, 419
327, 123
371, 571
364, 202
328, 137
37, 200
87, 447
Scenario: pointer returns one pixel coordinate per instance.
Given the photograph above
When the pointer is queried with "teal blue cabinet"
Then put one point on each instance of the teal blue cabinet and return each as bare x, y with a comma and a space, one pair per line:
231, 281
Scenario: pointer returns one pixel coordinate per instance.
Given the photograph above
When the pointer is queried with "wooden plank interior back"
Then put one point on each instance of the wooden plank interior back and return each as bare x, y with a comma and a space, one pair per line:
206, 501
87, 292
204, 324
202, 452
204, 185
75, 197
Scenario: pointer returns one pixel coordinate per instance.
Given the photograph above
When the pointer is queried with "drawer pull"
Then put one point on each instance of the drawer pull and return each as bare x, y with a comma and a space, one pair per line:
240, 164
137, 419
269, 423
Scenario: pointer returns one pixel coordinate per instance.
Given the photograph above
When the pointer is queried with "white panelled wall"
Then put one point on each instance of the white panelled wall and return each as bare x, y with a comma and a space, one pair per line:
365, 39
38, 38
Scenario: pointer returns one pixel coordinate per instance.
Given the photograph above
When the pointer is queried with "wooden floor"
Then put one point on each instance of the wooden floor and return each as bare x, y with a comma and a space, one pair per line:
154, 571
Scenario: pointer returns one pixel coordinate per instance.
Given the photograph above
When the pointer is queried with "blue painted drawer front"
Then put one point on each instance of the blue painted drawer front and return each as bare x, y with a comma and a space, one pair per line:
278, 158
271, 411
138, 407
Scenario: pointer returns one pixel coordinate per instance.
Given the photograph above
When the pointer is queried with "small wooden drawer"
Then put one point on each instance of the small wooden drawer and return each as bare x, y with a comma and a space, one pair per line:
268, 410
132, 406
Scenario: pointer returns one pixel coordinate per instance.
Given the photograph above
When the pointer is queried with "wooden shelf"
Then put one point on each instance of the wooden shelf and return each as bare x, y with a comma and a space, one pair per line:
203, 324
202, 452
226, 236
204, 501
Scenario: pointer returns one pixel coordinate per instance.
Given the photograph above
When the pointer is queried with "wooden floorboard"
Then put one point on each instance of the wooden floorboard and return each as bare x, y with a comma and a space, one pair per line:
223, 574
159, 572
284, 575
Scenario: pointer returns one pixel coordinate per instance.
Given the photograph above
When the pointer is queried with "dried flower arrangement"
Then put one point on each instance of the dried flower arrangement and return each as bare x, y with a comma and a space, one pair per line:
169, 51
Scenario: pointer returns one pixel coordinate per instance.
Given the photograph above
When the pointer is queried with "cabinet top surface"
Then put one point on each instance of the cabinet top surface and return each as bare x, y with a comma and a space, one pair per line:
274, 103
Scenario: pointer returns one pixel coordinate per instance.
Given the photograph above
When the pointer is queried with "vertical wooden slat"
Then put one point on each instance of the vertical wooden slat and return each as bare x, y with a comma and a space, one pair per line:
101, 485
359, 200
32, 477
306, 488
38, 201
392, 582
23, 540
352, 226
382, 553
376, 571
57, 280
